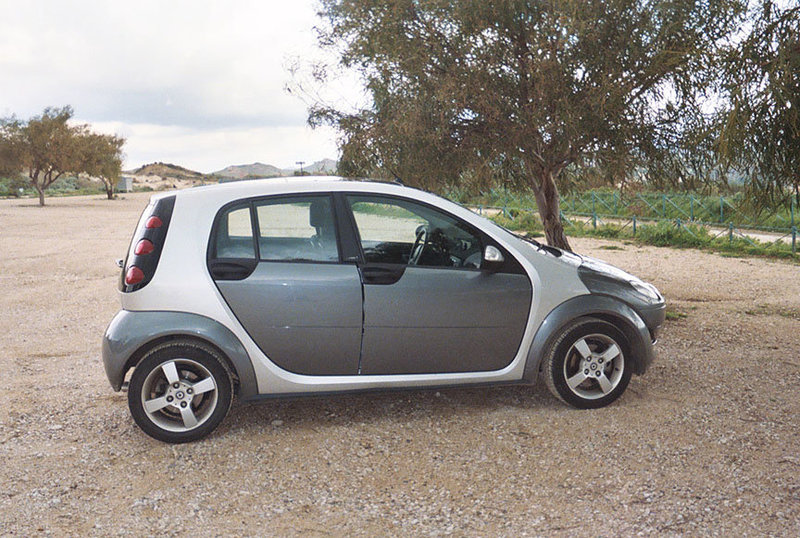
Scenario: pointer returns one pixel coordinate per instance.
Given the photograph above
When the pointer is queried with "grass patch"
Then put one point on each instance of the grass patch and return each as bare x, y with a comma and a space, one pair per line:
674, 315
669, 234
770, 310
610, 247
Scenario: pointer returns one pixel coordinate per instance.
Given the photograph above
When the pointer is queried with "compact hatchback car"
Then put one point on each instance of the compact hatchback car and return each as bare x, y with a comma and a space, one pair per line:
317, 285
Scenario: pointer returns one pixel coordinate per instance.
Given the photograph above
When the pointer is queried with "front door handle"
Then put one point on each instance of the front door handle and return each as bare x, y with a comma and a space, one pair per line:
382, 274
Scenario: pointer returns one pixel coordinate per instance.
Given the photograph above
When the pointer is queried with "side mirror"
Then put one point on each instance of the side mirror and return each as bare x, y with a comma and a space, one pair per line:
492, 258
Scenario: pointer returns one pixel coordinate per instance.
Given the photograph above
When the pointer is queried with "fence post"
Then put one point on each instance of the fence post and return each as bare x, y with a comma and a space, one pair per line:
794, 239
615, 203
480, 209
593, 203
691, 208
634, 225
730, 232
664, 205
791, 213
722, 209
594, 220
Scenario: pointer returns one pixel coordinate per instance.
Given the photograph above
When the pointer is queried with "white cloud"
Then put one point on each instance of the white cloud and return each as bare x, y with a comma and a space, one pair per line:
201, 81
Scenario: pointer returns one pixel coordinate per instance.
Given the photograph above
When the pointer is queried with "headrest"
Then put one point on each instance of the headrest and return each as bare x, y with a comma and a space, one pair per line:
319, 213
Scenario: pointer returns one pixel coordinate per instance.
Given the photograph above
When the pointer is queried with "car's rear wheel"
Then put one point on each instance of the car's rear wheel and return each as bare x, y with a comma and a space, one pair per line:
588, 366
180, 391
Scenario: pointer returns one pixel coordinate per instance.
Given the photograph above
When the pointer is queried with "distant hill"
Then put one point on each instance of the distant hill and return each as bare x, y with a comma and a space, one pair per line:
243, 171
160, 175
247, 171
167, 170
325, 166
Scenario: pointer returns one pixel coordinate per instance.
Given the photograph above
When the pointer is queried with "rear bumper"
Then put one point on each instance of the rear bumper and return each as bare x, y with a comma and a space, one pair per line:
115, 352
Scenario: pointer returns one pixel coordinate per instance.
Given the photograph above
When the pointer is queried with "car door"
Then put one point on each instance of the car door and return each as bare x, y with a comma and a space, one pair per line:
428, 306
277, 263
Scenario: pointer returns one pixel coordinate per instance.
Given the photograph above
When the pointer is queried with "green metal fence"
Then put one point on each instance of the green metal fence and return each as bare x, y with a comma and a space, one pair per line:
688, 207
720, 215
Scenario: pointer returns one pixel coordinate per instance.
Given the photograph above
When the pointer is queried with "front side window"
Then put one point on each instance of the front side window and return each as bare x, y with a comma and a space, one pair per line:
399, 231
300, 228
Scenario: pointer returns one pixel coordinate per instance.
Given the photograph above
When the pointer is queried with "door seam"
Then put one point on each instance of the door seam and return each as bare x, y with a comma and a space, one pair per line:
363, 320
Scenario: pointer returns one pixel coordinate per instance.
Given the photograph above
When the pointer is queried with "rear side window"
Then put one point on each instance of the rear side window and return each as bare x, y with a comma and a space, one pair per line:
299, 228
234, 237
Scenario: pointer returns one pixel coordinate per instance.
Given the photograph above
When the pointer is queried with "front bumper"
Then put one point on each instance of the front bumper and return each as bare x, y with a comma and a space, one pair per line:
653, 318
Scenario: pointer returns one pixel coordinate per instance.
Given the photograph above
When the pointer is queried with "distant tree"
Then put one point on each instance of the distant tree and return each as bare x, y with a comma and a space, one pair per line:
44, 148
760, 127
101, 157
516, 89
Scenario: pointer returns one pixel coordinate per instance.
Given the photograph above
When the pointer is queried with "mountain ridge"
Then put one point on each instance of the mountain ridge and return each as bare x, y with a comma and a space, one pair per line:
258, 169
236, 171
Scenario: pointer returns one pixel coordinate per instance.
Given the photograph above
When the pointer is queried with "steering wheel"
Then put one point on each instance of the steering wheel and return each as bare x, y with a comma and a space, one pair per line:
420, 243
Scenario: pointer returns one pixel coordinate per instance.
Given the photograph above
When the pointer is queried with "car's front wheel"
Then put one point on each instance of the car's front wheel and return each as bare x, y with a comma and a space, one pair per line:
180, 391
589, 364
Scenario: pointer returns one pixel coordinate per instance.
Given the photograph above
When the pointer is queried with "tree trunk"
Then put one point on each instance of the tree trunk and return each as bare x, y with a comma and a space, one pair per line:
547, 203
110, 192
41, 194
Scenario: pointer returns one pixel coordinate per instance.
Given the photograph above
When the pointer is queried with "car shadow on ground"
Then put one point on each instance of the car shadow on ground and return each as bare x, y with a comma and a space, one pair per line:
317, 412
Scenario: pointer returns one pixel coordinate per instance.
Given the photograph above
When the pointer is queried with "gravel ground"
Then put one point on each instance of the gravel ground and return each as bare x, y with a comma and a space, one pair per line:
705, 443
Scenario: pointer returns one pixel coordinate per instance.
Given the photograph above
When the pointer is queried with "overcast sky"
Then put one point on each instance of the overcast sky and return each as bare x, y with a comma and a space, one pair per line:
195, 83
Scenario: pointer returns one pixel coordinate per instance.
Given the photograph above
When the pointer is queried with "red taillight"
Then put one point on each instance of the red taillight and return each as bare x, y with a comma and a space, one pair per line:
134, 275
144, 246
153, 222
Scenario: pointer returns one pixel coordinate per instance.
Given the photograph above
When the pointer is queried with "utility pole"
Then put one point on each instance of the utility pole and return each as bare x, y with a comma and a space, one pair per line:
301, 163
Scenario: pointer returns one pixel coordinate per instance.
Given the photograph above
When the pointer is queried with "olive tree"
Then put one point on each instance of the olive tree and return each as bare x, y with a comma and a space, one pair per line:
101, 157
515, 89
44, 148
760, 122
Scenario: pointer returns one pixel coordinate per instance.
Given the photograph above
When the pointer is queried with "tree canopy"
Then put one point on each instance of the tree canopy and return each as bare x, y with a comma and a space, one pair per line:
469, 90
759, 132
46, 147
101, 157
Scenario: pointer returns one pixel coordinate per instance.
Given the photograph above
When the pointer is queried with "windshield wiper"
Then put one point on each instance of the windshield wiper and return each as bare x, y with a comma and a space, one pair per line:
547, 248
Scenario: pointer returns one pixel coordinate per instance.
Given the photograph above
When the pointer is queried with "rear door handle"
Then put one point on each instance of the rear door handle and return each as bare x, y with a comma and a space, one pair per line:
232, 269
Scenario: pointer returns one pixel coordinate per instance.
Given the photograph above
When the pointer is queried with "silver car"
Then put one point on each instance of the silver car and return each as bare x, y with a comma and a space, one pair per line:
319, 285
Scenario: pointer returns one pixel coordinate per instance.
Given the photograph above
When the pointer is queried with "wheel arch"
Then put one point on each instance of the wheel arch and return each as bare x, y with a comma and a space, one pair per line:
593, 306
137, 356
132, 334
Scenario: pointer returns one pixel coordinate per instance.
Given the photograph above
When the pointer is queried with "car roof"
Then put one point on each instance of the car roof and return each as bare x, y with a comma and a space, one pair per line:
284, 185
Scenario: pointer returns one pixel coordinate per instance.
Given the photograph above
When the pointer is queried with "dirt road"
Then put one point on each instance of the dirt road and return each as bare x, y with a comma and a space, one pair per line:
705, 443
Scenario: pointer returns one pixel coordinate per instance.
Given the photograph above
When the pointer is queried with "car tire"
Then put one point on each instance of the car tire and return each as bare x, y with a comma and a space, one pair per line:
589, 365
180, 391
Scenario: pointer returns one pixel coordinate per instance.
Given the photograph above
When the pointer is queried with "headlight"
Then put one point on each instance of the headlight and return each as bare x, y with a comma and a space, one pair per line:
647, 290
